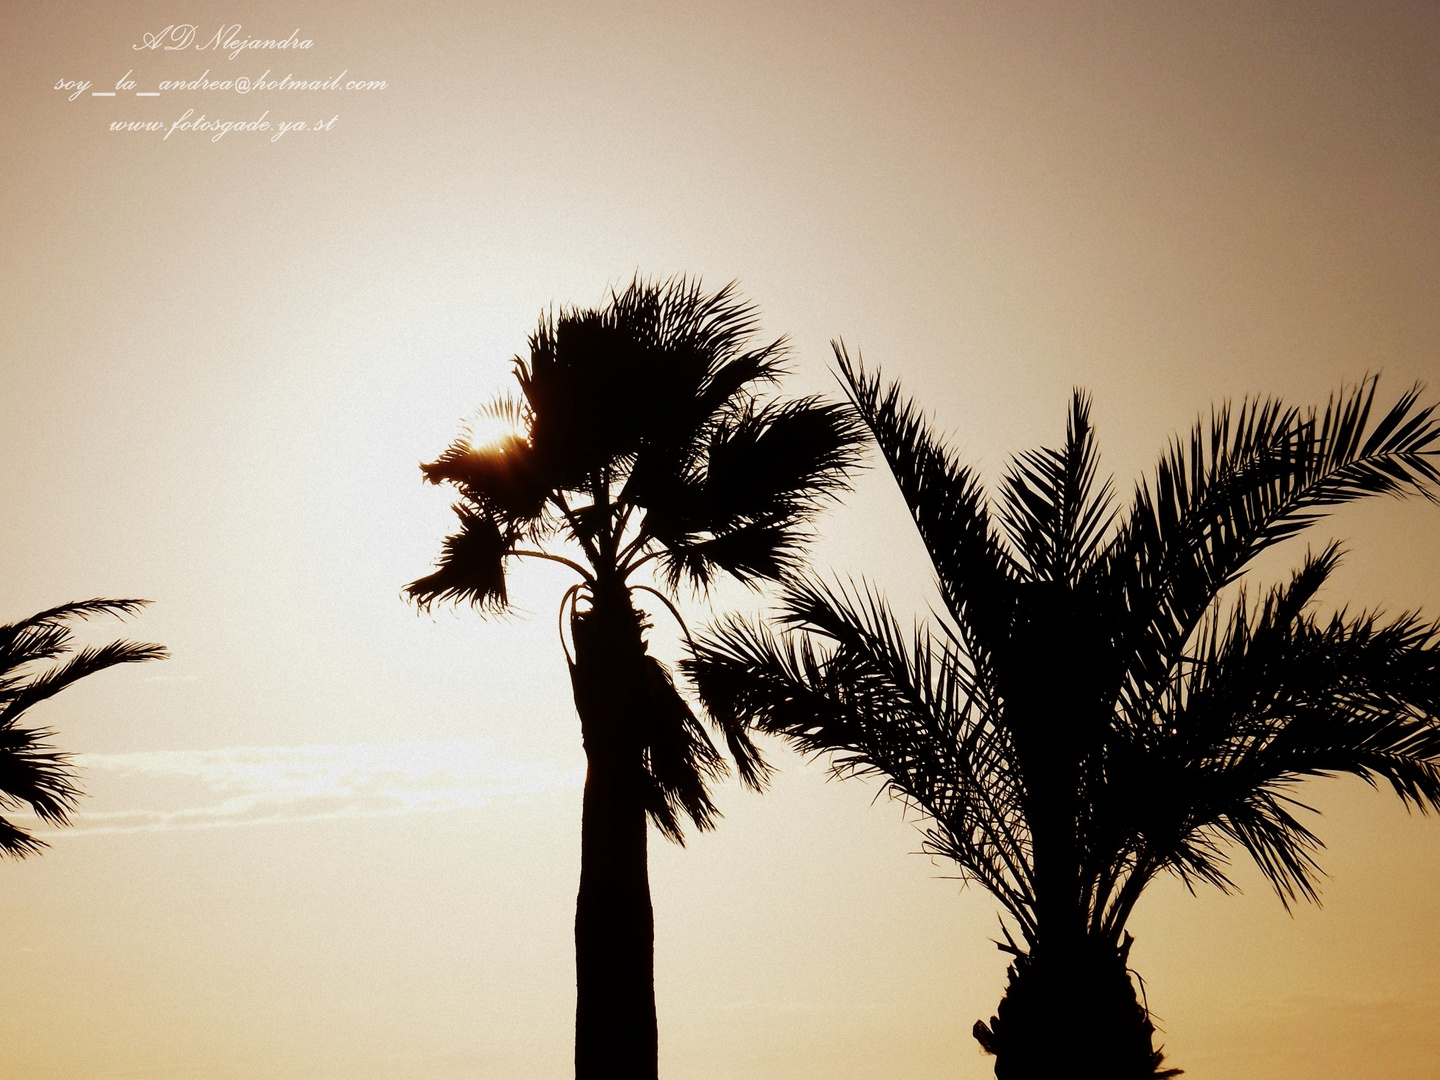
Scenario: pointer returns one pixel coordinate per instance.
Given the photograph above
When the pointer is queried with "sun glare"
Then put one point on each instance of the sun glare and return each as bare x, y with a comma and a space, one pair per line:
488, 432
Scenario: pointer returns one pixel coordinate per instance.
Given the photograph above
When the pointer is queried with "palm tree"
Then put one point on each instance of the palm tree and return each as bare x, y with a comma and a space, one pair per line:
637, 439
32, 772
1098, 701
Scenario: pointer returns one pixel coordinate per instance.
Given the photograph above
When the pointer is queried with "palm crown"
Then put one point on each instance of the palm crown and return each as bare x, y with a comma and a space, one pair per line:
638, 436
1091, 710
33, 773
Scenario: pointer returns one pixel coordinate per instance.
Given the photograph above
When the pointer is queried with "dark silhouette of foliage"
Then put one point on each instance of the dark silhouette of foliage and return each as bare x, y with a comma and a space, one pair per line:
639, 437
33, 773
1096, 704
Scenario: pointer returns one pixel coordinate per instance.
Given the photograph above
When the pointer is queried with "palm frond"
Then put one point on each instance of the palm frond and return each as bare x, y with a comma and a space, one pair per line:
46, 635
1055, 515
733, 380
680, 761
87, 661
17, 843
780, 461
471, 567
975, 573
752, 553
1275, 698
33, 773
882, 705
766, 473
82, 609
1256, 476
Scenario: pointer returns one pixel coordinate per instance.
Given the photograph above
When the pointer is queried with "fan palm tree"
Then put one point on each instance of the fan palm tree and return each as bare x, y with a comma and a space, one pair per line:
638, 440
32, 772
1098, 701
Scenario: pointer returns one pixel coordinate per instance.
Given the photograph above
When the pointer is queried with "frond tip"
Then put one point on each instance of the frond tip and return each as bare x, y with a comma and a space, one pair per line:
471, 567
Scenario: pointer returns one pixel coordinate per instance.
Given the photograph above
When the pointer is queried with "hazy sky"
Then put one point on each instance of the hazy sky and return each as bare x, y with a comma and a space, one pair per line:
332, 838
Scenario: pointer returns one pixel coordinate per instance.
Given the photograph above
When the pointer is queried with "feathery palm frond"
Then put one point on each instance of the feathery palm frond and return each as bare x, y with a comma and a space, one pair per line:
1258, 475
33, 773
905, 710
975, 573
1055, 516
1278, 697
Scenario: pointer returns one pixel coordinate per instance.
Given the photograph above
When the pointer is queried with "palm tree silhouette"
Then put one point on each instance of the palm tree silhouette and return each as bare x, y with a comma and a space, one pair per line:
32, 772
1095, 706
638, 438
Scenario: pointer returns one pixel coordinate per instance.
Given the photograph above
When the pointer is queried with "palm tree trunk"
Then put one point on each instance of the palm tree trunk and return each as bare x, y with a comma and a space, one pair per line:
1072, 1012
615, 1033
1070, 1007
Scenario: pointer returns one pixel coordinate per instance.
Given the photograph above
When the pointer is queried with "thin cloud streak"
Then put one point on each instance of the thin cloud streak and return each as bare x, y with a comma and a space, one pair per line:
270, 785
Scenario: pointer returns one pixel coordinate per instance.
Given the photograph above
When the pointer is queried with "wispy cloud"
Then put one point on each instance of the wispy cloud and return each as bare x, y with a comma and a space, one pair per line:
264, 785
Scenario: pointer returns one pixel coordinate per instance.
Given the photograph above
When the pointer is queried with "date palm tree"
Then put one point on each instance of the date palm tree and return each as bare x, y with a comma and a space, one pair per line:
638, 441
37, 661
1099, 700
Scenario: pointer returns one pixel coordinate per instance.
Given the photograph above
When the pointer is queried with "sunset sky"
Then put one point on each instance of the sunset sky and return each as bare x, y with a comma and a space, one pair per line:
335, 839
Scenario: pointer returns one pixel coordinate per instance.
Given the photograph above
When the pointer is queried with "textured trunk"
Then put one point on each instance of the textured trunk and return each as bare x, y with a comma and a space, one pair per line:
1072, 1012
615, 1035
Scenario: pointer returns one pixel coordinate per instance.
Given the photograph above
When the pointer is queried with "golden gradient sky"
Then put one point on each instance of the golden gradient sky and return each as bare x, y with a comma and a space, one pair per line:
334, 840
